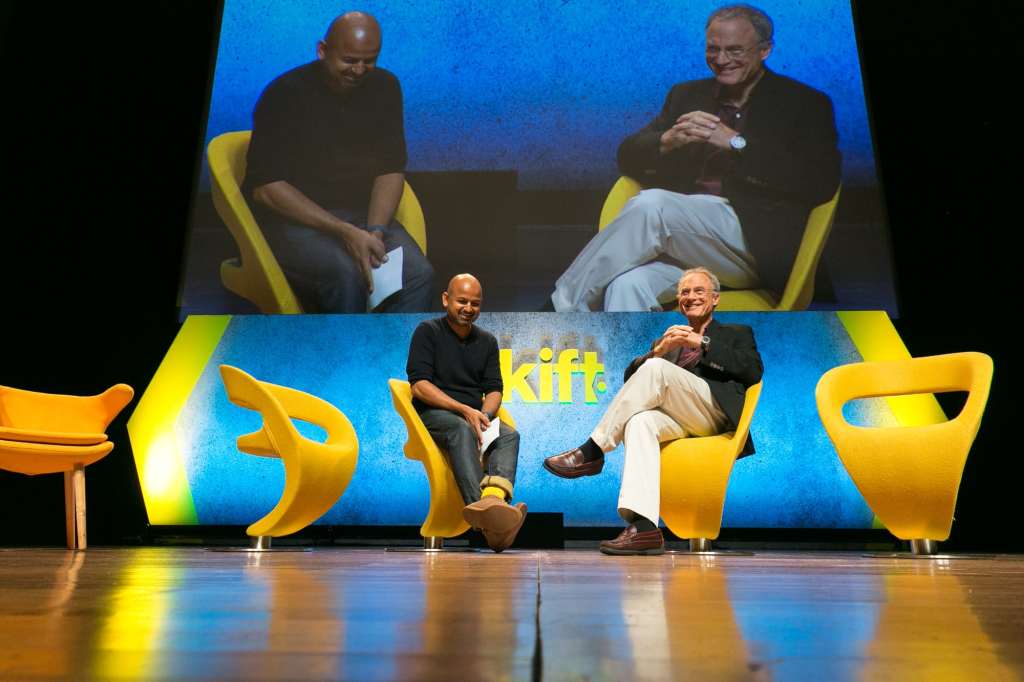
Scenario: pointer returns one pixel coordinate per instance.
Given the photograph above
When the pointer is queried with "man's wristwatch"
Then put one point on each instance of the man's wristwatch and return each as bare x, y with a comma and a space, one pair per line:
738, 142
705, 343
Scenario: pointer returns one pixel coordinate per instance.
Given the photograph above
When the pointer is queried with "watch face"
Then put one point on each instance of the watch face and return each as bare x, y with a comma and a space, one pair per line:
738, 142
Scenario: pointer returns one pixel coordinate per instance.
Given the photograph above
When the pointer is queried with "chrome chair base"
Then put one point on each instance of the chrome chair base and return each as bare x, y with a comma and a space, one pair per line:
432, 545
260, 543
703, 547
926, 549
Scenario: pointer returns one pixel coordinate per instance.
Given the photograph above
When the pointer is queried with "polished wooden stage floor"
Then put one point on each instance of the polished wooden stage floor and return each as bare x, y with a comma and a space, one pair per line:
186, 613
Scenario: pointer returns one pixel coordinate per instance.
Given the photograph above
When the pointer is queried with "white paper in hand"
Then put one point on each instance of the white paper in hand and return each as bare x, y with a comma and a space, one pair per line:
489, 434
387, 279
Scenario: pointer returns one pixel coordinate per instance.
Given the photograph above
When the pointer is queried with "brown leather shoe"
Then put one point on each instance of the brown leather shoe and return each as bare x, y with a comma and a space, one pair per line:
499, 542
570, 464
632, 541
492, 515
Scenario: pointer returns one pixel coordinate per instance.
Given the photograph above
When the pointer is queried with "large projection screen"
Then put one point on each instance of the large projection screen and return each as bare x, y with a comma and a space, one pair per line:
513, 113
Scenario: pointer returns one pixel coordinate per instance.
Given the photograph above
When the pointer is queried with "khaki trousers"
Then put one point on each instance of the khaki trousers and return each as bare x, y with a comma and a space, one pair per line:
638, 258
660, 402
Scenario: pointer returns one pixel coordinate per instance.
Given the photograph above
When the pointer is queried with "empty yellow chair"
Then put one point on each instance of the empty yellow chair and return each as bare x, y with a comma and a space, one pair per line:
256, 275
908, 475
315, 474
44, 433
799, 287
444, 519
695, 475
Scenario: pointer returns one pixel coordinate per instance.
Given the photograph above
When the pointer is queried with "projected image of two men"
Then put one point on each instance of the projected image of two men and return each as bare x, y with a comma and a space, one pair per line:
574, 156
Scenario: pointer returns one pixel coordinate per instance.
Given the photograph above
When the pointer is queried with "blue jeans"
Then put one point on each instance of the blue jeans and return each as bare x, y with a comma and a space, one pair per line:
326, 279
456, 437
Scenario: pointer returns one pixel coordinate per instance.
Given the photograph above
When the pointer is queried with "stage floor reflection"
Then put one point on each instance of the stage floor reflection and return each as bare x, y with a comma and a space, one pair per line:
186, 613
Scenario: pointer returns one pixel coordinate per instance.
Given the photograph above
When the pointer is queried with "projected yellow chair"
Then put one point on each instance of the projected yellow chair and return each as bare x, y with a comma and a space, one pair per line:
444, 519
695, 475
908, 475
315, 474
799, 287
256, 275
44, 433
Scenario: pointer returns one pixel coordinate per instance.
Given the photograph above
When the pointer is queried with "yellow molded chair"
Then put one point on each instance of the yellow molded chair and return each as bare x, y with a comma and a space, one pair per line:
799, 287
444, 520
44, 433
315, 474
695, 475
908, 475
256, 276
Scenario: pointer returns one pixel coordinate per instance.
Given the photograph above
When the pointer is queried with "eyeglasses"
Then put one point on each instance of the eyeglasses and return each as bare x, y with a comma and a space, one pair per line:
699, 292
713, 51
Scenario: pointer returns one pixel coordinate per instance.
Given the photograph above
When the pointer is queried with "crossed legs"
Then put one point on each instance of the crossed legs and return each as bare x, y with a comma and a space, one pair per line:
632, 262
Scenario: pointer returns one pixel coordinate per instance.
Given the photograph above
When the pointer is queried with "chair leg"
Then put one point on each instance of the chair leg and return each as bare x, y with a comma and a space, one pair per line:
74, 507
924, 547
700, 545
260, 542
925, 550
704, 547
432, 543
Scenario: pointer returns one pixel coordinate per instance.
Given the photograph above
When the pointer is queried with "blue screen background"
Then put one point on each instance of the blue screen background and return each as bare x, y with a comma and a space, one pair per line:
545, 87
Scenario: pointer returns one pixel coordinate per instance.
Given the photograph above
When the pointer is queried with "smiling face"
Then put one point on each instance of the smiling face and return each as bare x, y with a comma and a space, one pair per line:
734, 52
697, 297
462, 302
347, 55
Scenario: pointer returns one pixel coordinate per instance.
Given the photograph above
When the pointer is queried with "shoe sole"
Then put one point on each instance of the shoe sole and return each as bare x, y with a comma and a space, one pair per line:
498, 519
561, 474
514, 532
654, 551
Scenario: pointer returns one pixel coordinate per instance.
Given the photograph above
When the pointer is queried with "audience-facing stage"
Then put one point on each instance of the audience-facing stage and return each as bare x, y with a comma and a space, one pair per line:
175, 613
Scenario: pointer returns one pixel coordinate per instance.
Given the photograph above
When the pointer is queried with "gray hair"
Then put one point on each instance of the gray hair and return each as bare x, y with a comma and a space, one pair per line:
716, 286
761, 22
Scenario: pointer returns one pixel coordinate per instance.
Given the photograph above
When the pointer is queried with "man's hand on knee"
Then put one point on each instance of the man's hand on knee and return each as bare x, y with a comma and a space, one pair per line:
477, 420
367, 250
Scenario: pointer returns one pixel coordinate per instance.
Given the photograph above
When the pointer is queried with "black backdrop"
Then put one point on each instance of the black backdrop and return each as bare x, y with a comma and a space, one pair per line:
101, 113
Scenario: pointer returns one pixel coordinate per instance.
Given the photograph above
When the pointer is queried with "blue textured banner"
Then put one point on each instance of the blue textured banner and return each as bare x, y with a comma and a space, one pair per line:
795, 480
546, 88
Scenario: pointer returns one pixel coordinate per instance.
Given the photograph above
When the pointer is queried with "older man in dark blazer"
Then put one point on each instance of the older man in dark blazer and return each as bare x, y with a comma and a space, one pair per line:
691, 383
732, 167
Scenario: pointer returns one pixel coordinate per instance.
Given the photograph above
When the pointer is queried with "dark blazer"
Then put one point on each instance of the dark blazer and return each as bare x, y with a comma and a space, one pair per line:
790, 165
731, 365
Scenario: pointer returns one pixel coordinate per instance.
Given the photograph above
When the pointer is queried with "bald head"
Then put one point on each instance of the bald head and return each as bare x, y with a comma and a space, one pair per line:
462, 302
464, 282
353, 26
349, 50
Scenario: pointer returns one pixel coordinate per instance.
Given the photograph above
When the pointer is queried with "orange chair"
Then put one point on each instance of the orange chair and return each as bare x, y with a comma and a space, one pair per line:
44, 433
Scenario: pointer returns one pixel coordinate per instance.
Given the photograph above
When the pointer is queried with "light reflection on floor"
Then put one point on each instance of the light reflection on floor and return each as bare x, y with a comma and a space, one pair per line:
176, 613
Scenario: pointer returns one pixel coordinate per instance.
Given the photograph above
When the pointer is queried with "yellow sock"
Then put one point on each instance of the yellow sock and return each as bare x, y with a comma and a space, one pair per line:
493, 491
